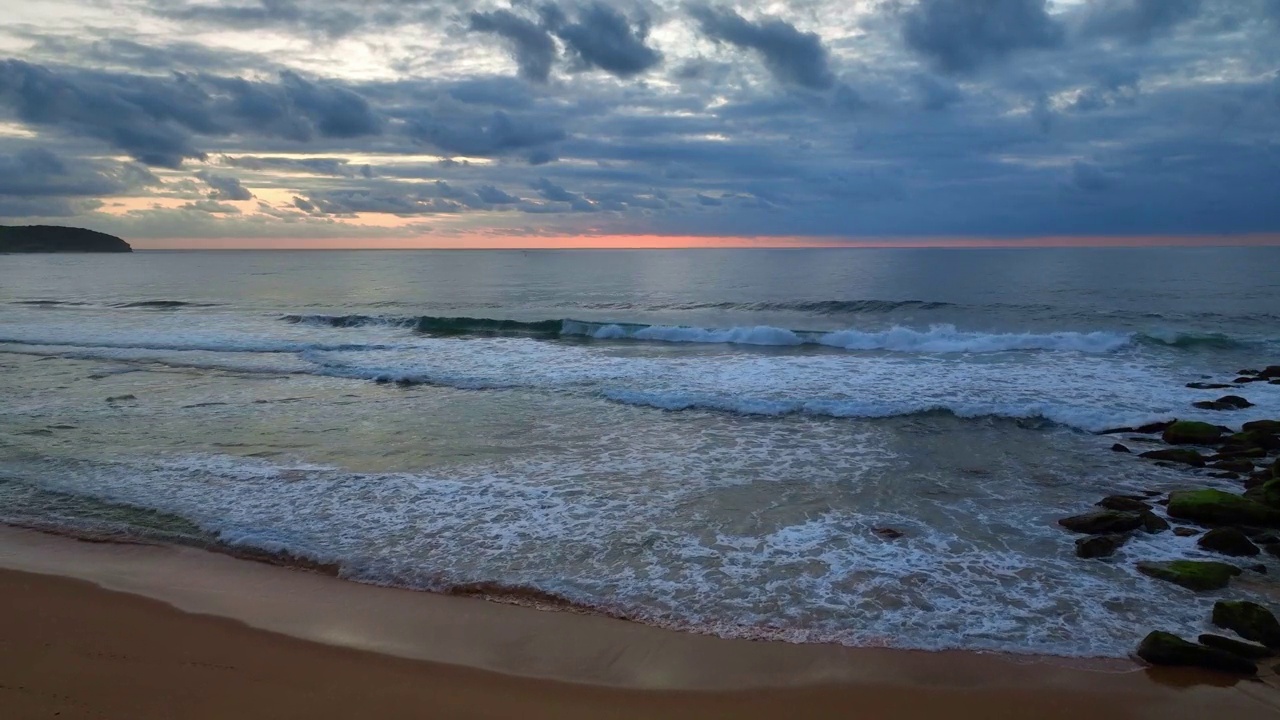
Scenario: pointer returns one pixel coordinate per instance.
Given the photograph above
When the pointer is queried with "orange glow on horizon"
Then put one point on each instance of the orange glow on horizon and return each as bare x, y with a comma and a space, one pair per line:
666, 242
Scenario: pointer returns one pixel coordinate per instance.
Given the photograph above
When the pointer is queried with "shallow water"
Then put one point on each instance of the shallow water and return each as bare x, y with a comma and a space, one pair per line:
709, 443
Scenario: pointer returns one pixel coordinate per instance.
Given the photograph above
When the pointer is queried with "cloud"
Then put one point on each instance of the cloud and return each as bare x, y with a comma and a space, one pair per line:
499, 134
791, 56
157, 119
961, 36
35, 182
555, 193
1139, 21
318, 16
224, 187
604, 38
1090, 177
531, 44
494, 196
211, 206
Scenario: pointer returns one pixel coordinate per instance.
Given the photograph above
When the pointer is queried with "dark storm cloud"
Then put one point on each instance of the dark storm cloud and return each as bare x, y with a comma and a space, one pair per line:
157, 119
960, 36
531, 44
1139, 20
224, 187
494, 196
791, 56
604, 38
337, 167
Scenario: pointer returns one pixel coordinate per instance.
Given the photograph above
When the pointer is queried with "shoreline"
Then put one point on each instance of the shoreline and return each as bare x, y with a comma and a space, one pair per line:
60, 594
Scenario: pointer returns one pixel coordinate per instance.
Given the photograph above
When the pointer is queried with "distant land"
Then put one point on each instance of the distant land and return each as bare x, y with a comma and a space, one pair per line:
57, 239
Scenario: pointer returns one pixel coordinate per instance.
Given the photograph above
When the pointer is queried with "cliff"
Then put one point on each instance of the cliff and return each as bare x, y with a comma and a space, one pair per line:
55, 239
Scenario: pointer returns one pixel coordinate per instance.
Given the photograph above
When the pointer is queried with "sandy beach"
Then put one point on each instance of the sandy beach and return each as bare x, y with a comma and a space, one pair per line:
130, 631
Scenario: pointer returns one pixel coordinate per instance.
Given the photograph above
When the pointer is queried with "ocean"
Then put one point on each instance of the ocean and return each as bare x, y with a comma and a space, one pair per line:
858, 446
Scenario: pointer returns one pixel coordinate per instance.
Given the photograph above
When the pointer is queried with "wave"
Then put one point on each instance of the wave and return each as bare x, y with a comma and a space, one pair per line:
162, 304
815, 307
220, 346
937, 339
1190, 341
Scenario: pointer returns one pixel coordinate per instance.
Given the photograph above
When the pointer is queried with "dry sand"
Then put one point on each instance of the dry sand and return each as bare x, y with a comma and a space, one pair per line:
253, 641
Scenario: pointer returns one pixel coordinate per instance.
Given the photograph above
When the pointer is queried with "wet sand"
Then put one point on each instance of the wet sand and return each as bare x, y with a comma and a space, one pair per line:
112, 631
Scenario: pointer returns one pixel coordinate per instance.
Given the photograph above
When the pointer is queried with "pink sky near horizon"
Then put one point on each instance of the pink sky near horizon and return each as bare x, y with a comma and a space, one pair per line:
655, 242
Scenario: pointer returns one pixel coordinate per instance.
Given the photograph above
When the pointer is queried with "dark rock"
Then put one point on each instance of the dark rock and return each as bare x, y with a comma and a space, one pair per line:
121, 398
1153, 523
1190, 432
1262, 537
1235, 401
1207, 386
1239, 465
1252, 439
1101, 522
1216, 507
1178, 455
1247, 372
888, 533
1272, 549
1257, 568
1269, 493
1123, 502
1246, 380
1273, 382
1264, 426
1257, 479
1120, 448
1162, 648
1249, 650
1228, 541
1195, 575
1099, 546
1271, 372
1249, 620
1211, 405
1185, 532
1225, 475
1152, 493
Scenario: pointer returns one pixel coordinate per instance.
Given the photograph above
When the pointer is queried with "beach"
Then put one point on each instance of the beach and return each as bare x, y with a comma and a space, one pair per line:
178, 632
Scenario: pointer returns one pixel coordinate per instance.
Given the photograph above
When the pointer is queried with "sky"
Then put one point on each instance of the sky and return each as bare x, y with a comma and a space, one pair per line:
642, 123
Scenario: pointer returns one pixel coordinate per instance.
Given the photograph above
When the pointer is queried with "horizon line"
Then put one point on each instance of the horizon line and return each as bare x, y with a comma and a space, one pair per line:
684, 242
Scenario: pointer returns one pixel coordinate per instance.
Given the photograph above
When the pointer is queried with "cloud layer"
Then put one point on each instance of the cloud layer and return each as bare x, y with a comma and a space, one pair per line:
260, 118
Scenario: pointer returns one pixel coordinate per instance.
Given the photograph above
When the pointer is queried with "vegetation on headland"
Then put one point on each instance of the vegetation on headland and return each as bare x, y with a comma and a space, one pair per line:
58, 239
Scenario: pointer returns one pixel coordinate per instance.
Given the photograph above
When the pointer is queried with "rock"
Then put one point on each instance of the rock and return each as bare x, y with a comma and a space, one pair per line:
1266, 426
1152, 493
1273, 382
1101, 522
1153, 523
1195, 575
1262, 537
1271, 372
1099, 546
1247, 372
1268, 493
1162, 648
1246, 380
1216, 507
888, 533
1239, 465
1249, 650
1228, 541
1273, 549
1225, 475
1185, 532
1207, 386
1178, 455
1123, 502
1190, 432
1249, 620
1120, 448
121, 398
1257, 568
1234, 401
1252, 439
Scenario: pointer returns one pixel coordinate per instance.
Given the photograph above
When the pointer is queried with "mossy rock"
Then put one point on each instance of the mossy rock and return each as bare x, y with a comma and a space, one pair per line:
1101, 522
1236, 465
1267, 426
1252, 439
1269, 492
1178, 455
1228, 541
1162, 648
1253, 651
1190, 432
1195, 575
1249, 620
1123, 503
1221, 508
